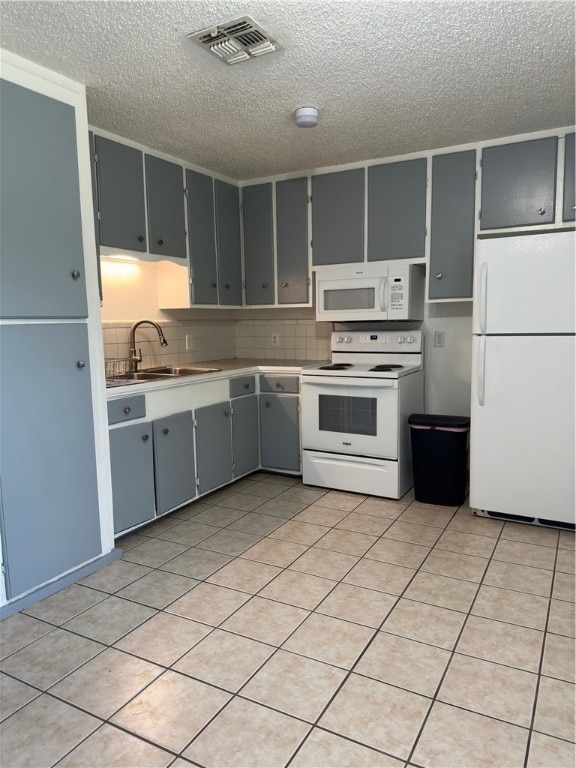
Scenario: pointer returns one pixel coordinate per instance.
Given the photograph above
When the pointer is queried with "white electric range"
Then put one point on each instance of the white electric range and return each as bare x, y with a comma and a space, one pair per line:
355, 433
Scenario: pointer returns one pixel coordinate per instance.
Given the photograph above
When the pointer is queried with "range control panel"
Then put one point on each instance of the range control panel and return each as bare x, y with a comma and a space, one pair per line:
376, 341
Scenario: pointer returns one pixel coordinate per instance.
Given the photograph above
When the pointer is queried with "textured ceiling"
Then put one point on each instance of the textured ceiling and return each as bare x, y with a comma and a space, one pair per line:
388, 77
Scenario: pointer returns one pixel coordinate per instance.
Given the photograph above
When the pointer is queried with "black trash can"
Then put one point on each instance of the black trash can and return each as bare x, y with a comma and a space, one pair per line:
439, 457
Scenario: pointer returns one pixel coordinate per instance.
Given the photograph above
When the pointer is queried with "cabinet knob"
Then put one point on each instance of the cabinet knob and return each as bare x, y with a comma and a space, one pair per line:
145, 438
127, 410
227, 286
284, 285
80, 364
246, 386
541, 211
160, 242
75, 274
267, 405
226, 413
264, 285
165, 431
439, 276
140, 238
278, 385
214, 285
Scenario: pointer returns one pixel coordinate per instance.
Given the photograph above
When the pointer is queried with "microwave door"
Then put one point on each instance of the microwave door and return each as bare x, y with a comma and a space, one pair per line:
354, 299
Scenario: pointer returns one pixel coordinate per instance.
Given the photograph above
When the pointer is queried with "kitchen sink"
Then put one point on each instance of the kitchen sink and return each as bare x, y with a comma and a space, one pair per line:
175, 370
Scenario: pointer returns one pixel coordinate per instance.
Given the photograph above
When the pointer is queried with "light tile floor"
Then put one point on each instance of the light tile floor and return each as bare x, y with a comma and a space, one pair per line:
273, 624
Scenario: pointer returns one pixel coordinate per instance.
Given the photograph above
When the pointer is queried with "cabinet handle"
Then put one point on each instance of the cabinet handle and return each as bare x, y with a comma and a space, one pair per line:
75, 274
140, 238
214, 285
284, 285
227, 286
246, 386
165, 431
145, 438
160, 242
80, 364
541, 211
226, 413
439, 276
127, 410
278, 385
267, 404
264, 285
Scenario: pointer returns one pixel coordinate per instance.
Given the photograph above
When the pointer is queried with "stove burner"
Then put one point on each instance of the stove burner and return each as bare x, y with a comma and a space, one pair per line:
386, 367
336, 367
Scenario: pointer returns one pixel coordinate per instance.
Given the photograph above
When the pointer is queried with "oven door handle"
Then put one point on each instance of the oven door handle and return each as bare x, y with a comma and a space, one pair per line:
341, 381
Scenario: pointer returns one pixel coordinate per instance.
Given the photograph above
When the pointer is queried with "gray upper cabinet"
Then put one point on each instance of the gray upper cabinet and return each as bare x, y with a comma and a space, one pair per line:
174, 461
94, 184
279, 417
214, 445
41, 242
258, 244
132, 464
292, 241
202, 238
120, 175
50, 517
245, 435
165, 197
338, 217
227, 202
397, 210
568, 206
519, 184
452, 235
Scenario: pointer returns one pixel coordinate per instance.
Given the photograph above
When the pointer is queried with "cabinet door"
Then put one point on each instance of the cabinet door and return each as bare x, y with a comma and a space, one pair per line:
120, 175
92, 150
397, 210
258, 244
132, 462
41, 247
568, 206
227, 202
50, 520
214, 445
174, 461
452, 235
279, 432
201, 238
165, 196
292, 241
338, 217
245, 435
519, 184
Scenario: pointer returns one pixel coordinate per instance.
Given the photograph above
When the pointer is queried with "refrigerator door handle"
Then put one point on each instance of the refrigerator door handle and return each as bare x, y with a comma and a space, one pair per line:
483, 297
482, 371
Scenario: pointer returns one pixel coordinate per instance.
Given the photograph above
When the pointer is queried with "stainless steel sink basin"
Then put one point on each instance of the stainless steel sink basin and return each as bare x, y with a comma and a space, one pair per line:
175, 370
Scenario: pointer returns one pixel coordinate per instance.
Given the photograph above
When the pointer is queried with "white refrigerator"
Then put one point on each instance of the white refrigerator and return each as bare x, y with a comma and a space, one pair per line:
522, 411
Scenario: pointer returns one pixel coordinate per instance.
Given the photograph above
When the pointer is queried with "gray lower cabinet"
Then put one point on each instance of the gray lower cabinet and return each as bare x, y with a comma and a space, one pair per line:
50, 521
452, 232
338, 217
227, 216
245, 434
213, 446
41, 242
132, 462
174, 470
165, 200
519, 184
397, 210
258, 244
202, 238
292, 241
121, 205
568, 208
279, 432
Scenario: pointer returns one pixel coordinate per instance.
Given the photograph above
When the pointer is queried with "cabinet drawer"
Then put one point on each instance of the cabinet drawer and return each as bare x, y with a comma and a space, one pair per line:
279, 384
243, 385
126, 409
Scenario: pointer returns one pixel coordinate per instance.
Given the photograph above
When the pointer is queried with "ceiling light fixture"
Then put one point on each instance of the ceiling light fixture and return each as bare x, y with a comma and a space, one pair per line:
306, 117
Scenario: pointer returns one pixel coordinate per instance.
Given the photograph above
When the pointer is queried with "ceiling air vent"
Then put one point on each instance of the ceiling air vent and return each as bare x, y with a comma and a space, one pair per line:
236, 40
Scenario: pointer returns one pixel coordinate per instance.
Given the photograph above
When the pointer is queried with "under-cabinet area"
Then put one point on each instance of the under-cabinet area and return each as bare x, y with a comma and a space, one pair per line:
172, 444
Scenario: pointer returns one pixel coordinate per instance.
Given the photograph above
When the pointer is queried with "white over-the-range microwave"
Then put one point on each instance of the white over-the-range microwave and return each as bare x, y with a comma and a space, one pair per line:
377, 291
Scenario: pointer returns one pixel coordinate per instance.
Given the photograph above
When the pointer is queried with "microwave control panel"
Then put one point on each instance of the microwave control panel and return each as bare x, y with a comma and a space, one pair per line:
396, 293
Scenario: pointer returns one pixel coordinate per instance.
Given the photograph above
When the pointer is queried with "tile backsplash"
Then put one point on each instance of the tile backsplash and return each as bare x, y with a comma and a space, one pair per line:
221, 339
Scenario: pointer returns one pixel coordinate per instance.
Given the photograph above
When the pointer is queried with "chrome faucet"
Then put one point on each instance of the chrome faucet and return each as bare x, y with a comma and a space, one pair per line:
136, 356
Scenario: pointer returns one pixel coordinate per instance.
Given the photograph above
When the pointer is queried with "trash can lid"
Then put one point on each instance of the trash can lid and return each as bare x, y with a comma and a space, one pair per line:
438, 421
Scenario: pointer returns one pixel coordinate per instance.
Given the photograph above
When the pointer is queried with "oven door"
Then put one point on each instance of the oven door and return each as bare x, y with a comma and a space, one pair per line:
349, 415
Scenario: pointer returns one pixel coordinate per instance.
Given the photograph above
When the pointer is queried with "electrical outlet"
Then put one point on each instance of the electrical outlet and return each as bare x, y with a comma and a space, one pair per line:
275, 339
439, 338
189, 341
